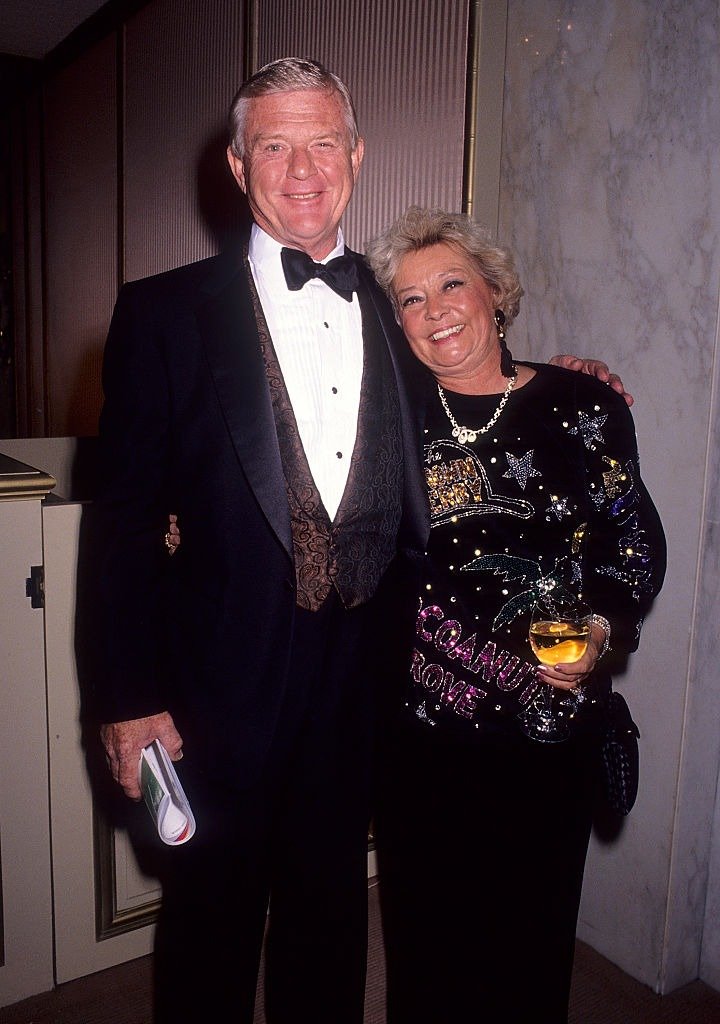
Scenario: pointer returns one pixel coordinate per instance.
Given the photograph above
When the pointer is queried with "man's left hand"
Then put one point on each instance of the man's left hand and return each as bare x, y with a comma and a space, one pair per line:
595, 368
124, 741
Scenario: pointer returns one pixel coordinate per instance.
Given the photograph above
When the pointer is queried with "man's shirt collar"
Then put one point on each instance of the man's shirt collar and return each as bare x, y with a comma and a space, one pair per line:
264, 256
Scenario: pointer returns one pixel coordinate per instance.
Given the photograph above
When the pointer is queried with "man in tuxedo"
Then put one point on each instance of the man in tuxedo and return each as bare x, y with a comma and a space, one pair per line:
273, 417
265, 397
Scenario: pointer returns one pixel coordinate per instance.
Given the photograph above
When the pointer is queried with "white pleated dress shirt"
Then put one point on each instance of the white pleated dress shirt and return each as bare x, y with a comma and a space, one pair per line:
318, 341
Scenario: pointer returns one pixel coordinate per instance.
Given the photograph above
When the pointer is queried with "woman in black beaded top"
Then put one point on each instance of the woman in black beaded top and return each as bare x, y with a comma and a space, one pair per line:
534, 488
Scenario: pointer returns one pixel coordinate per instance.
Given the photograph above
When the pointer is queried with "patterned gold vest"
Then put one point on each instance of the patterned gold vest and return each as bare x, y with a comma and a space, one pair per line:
350, 553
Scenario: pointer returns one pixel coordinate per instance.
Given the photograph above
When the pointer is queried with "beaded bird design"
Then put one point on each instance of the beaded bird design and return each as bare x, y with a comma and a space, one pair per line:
540, 587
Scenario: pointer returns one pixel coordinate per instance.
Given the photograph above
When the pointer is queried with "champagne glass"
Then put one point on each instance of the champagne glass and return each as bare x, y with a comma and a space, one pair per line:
559, 634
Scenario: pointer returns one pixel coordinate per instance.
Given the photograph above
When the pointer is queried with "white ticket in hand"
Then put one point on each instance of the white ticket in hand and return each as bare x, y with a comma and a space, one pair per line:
164, 796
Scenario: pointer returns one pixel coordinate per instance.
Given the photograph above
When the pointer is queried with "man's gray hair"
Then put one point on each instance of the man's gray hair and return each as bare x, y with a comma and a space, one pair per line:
288, 75
419, 228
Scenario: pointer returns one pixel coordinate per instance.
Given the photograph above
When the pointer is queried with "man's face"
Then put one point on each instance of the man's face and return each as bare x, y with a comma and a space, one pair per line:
299, 169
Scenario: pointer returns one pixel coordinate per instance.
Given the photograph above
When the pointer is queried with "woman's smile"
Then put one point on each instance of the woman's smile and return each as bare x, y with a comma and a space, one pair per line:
447, 311
448, 332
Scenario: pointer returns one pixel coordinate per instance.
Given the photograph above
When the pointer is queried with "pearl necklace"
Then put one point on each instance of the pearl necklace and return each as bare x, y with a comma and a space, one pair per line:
466, 435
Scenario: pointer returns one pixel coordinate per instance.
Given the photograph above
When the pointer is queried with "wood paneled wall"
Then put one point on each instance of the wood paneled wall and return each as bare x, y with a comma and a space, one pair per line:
183, 64
405, 63
128, 175
81, 234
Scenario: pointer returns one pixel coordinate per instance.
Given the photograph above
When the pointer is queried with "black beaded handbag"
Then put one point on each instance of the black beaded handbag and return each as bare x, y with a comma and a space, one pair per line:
620, 756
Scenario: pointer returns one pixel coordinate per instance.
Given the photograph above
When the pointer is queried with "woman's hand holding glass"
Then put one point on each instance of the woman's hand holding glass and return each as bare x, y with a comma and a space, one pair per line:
567, 643
571, 675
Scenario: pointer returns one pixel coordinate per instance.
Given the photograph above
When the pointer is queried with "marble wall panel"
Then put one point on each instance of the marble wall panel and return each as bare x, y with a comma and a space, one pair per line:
610, 197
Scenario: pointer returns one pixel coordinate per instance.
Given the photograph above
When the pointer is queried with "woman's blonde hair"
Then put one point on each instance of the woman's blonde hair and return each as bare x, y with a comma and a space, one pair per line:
419, 228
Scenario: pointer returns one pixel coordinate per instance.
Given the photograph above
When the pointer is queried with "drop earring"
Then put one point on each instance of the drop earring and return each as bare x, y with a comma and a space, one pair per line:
507, 367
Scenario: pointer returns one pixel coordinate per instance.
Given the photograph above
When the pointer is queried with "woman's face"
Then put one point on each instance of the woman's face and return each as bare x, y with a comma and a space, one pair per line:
447, 313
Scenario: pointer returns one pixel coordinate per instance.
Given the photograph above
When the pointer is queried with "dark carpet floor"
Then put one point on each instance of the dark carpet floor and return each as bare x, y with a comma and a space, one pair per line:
602, 994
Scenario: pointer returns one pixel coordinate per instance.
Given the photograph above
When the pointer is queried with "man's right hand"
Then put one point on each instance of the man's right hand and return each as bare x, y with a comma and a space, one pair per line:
594, 368
123, 742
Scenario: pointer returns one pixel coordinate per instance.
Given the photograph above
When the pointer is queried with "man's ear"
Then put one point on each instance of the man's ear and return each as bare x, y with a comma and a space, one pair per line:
237, 166
356, 157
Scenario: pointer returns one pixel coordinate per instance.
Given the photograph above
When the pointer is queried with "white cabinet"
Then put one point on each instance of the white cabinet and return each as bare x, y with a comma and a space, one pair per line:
101, 898
26, 933
72, 897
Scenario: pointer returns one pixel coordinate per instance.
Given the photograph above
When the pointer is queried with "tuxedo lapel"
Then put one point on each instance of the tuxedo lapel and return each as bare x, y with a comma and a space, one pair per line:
229, 332
411, 380
411, 376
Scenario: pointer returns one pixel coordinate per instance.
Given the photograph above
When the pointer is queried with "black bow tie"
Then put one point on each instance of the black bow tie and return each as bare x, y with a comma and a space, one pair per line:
341, 274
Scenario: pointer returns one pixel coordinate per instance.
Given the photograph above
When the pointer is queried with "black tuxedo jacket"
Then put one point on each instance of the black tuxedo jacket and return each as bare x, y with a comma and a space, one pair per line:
188, 427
